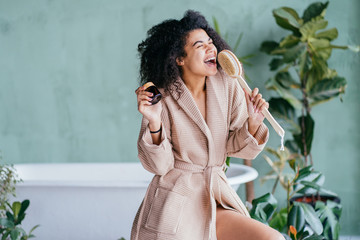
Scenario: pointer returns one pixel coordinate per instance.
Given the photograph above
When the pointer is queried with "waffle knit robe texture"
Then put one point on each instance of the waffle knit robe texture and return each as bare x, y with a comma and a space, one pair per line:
189, 180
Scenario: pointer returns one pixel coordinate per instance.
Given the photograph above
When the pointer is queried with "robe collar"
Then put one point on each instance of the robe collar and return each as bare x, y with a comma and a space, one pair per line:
215, 109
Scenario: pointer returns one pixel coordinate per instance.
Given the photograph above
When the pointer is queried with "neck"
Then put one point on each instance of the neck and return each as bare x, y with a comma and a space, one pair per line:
195, 85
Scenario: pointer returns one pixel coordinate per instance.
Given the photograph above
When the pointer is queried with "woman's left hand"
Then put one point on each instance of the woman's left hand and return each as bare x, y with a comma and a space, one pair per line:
255, 104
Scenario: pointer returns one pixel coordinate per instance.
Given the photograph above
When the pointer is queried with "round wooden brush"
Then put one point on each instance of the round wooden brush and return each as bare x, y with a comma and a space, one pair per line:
231, 65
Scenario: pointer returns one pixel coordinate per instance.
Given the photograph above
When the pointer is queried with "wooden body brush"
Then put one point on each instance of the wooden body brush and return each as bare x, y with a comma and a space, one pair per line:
231, 65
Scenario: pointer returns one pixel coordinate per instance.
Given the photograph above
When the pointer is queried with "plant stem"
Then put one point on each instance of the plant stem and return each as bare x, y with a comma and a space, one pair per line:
306, 108
288, 202
303, 137
274, 187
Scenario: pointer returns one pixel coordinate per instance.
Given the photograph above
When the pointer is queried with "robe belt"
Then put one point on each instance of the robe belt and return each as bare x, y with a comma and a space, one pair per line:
196, 168
209, 174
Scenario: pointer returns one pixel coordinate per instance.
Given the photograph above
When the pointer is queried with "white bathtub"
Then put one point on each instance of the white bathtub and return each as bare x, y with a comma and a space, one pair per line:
89, 201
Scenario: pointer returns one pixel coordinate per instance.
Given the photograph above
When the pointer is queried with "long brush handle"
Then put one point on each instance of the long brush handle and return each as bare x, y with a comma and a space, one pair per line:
279, 130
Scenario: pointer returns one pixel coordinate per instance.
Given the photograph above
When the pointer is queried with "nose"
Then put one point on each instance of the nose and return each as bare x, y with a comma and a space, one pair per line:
210, 48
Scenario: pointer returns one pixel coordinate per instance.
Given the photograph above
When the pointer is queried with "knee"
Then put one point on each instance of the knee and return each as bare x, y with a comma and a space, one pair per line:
277, 236
273, 234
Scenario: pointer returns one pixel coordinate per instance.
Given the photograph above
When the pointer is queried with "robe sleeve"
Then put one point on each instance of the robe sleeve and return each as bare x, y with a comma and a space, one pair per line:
157, 159
241, 143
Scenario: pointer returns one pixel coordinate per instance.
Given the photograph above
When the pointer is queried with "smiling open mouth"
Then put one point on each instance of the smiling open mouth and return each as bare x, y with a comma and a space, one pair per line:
211, 61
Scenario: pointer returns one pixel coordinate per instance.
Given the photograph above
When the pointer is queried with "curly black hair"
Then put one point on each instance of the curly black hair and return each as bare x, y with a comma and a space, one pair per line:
165, 43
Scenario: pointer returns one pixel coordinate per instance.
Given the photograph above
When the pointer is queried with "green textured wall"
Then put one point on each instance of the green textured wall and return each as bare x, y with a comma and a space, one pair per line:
68, 71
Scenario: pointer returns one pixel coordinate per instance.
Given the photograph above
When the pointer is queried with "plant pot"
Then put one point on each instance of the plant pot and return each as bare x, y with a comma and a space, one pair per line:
313, 198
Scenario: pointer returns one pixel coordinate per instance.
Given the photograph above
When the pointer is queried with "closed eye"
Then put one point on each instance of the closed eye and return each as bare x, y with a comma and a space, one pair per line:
199, 43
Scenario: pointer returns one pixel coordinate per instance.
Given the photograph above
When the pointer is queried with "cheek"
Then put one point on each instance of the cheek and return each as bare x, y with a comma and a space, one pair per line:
199, 58
195, 59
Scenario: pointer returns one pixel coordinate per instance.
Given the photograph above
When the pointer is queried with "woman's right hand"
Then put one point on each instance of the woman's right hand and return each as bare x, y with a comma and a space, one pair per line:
151, 112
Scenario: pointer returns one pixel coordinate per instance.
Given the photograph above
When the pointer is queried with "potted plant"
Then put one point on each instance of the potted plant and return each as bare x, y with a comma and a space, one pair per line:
302, 81
299, 219
11, 214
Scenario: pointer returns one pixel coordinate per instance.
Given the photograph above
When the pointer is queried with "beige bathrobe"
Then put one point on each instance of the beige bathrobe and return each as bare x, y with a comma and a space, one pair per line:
189, 180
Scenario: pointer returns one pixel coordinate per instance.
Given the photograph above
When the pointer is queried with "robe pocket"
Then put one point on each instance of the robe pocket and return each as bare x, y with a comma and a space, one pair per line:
165, 211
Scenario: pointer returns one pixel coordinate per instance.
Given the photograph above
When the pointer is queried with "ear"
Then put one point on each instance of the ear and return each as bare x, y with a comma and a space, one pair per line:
180, 61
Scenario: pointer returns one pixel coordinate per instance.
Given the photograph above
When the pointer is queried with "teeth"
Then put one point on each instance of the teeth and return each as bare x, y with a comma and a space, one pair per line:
210, 59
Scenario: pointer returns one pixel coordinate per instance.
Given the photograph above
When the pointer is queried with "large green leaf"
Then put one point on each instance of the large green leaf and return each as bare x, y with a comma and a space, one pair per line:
293, 53
279, 220
327, 89
309, 184
296, 218
289, 41
318, 71
309, 29
279, 51
15, 234
10, 216
286, 81
305, 171
304, 64
275, 63
306, 135
329, 215
309, 181
6, 223
330, 34
314, 10
24, 205
16, 206
320, 48
273, 84
287, 18
263, 207
308, 174
259, 214
269, 46
309, 187
285, 113
311, 217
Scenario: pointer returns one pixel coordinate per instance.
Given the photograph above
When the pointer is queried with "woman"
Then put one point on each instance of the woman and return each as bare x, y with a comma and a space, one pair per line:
204, 117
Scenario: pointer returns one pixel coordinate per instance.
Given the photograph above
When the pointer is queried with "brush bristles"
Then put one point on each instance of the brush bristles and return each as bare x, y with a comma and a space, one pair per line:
230, 63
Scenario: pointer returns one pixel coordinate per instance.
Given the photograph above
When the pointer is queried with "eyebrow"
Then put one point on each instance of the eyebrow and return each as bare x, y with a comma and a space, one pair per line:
200, 41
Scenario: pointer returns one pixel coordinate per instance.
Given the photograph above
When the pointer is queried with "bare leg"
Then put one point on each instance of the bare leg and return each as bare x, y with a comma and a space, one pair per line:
231, 225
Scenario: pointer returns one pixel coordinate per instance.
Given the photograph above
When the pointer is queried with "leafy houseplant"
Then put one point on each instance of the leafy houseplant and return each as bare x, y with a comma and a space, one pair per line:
8, 180
302, 80
10, 226
11, 215
300, 220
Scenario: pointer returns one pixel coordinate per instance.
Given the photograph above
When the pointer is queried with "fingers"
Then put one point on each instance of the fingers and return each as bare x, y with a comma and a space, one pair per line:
258, 101
143, 95
143, 98
264, 105
254, 93
247, 97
